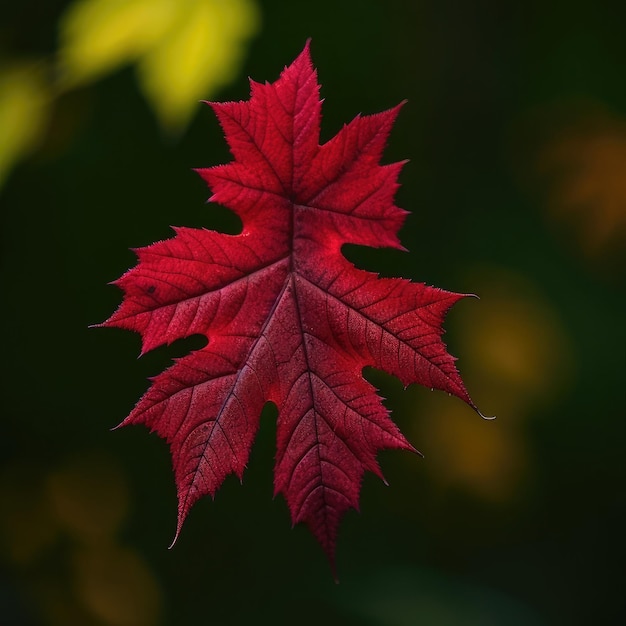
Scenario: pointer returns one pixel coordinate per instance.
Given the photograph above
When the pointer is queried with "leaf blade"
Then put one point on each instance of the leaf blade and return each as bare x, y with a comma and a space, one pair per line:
287, 318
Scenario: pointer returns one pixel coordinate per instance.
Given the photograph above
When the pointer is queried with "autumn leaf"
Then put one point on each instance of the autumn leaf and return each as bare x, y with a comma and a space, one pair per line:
287, 318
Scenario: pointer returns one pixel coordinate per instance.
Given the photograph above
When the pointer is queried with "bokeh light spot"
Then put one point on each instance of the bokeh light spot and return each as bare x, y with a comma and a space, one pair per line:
89, 496
117, 586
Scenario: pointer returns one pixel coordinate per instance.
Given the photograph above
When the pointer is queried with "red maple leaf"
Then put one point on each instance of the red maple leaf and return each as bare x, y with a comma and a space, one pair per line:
288, 319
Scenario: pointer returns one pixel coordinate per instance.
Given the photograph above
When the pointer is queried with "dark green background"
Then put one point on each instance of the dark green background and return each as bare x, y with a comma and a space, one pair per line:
106, 179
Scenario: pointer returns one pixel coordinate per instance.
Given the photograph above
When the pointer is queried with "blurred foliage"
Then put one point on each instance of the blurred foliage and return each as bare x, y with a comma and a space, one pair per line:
572, 157
585, 166
184, 50
24, 103
515, 131
404, 597
516, 355
68, 521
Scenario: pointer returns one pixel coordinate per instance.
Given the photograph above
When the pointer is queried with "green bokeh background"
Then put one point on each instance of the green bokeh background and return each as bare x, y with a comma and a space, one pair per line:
482, 79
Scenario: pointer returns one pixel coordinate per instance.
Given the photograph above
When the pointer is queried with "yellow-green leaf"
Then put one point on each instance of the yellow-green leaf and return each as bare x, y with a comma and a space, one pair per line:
184, 49
98, 36
24, 103
201, 54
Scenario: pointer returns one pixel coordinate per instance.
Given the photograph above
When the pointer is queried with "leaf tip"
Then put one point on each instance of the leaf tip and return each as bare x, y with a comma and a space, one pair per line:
175, 539
305, 55
414, 450
145, 348
182, 514
118, 426
489, 418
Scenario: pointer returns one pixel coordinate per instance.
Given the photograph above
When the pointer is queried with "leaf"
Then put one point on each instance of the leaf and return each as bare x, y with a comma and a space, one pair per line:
184, 49
24, 103
288, 319
201, 53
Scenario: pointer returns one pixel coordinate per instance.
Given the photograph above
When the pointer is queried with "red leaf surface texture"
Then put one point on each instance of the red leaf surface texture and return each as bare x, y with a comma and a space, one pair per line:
288, 318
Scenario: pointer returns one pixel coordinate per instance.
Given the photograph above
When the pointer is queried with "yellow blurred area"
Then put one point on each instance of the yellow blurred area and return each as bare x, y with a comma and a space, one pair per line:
97, 36
516, 358
203, 53
27, 525
583, 166
24, 102
516, 353
69, 519
485, 458
89, 497
116, 585
184, 49
59, 606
